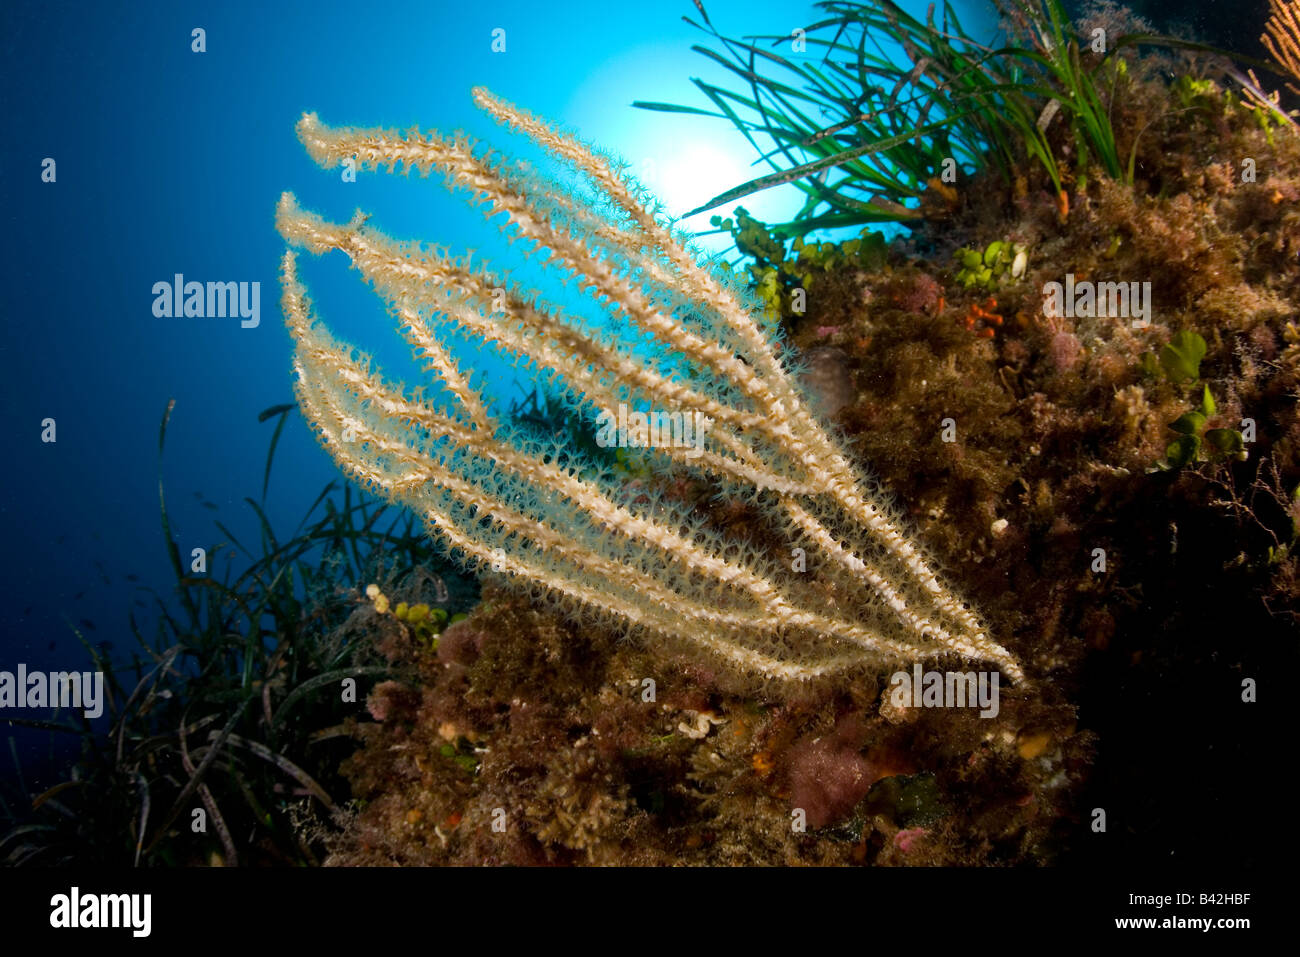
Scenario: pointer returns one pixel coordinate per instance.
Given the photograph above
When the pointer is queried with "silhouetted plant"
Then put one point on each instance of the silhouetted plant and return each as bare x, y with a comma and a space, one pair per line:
234, 705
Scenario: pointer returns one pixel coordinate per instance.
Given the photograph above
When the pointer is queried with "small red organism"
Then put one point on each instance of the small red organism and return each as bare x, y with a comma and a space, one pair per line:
905, 838
1064, 348
919, 294
977, 314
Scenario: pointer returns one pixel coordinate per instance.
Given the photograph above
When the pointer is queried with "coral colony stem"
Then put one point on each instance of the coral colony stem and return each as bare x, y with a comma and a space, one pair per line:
546, 515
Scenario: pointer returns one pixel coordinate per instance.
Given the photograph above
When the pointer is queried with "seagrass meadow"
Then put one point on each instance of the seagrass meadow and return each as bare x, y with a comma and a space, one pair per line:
1012, 396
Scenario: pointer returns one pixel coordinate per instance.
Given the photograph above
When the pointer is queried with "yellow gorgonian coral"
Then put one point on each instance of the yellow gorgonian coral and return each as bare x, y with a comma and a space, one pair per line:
845, 589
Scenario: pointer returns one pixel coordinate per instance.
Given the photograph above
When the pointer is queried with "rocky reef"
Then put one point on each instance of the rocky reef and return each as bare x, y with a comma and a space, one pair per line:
1116, 493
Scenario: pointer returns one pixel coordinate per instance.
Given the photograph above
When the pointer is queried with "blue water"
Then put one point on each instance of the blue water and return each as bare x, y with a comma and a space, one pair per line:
171, 161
